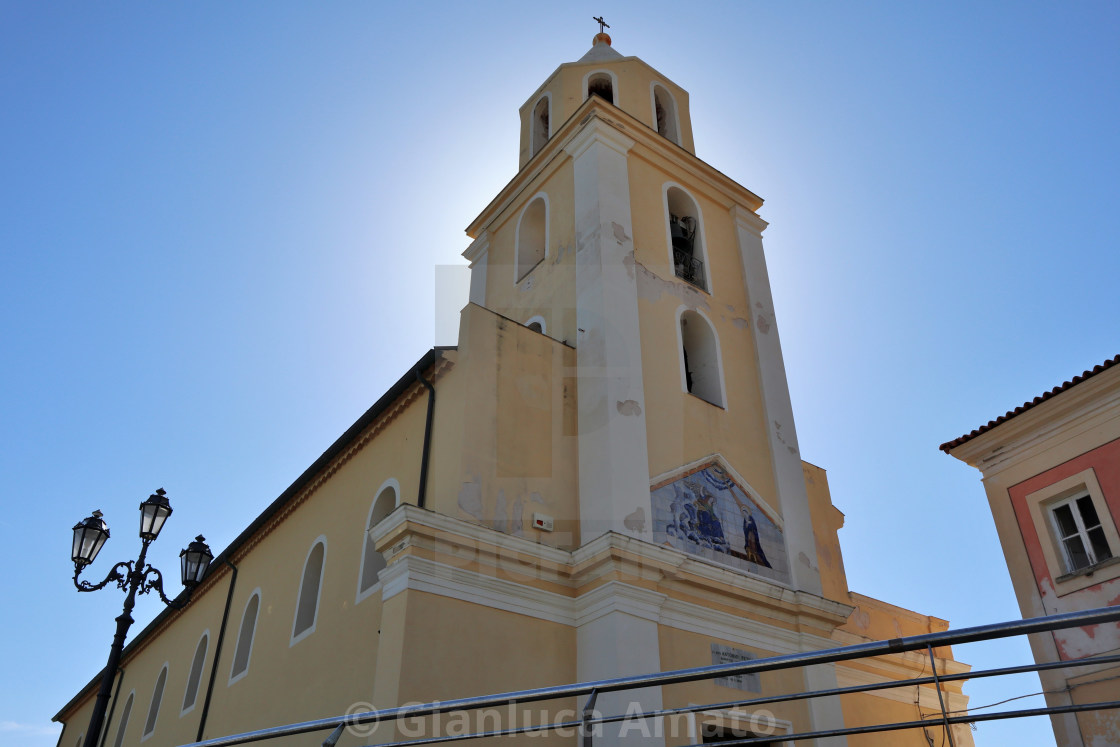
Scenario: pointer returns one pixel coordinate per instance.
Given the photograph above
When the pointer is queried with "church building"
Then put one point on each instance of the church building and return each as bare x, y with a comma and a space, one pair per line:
602, 478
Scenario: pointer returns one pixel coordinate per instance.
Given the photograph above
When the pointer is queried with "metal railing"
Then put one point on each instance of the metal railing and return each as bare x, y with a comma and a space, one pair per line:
687, 267
589, 719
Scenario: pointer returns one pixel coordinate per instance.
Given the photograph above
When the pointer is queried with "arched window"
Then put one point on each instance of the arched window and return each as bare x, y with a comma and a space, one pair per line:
665, 113
601, 85
537, 324
245, 638
125, 713
532, 236
194, 678
539, 126
307, 603
372, 560
686, 237
153, 709
700, 358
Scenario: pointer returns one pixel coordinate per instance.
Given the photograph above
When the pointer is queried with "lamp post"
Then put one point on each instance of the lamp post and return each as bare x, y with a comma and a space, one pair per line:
132, 577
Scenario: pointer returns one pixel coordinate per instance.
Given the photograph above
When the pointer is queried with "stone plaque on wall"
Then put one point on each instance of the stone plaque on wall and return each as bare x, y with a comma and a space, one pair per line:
725, 655
721, 654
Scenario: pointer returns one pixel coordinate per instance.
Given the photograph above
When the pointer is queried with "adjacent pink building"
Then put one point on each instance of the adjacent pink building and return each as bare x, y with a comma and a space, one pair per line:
1051, 470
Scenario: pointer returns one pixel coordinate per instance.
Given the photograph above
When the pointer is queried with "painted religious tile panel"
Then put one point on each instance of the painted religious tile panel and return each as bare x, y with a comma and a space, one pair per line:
706, 513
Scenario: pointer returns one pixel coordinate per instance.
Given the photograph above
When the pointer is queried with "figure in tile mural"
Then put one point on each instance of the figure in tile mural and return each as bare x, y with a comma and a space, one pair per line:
706, 513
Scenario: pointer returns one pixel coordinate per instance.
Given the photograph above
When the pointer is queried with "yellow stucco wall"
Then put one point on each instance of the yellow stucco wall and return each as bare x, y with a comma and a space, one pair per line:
633, 94
504, 444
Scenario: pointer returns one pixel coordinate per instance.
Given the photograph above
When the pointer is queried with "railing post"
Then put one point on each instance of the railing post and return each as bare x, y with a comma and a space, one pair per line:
585, 729
940, 700
332, 740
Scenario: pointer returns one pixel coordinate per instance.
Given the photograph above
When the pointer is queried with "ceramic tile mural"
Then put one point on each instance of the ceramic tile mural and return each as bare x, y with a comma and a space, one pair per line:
706, 513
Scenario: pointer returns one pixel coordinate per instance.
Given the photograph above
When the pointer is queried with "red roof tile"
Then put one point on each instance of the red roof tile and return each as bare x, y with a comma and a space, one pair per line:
950, 445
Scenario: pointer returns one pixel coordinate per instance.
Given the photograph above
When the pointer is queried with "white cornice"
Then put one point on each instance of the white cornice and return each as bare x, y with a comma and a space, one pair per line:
476, 535
420, 574
747, 219
926, 696
739, 630
597, 132
615, 596
679, 160
580, 567
478, 248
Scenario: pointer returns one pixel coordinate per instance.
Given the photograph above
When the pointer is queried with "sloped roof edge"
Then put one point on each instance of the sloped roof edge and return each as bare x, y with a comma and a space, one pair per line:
950, 445
368, 417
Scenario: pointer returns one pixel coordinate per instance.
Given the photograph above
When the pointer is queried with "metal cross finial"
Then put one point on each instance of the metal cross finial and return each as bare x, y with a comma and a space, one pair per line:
602, 24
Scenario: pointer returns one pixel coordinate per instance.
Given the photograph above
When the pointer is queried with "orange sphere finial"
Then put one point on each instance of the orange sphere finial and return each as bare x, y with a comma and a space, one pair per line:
601, 37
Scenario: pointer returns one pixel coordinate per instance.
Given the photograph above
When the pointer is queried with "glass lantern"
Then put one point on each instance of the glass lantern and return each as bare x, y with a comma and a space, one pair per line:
89, 535
153, 513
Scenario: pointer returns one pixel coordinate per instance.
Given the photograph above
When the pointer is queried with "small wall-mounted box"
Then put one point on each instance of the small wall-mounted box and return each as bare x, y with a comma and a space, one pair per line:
542, 522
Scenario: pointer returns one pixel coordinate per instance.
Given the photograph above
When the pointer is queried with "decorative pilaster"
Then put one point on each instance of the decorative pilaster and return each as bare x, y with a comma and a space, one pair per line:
613, 458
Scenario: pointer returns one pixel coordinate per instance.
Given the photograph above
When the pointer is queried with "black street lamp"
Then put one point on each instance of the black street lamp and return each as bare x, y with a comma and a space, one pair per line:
132, 577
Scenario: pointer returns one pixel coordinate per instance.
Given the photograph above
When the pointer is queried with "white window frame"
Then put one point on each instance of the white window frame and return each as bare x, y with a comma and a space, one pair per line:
614, 84
538, 319
722, 404
653, 86
126, 716
252, 638
1041, 504
1080, 530
376, 585
534, 146
297, 637
184, 709
518, 275
155, 704
709, 284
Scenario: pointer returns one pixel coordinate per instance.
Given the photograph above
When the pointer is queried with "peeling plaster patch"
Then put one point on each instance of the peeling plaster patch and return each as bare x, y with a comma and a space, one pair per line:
470, 498
778, 435
861, 619
629, 407
628, 262
536, 497
803, 559
517, 525
635, 522
619, 233
741, 323
651, 287
501, 522
762, 322
730, 307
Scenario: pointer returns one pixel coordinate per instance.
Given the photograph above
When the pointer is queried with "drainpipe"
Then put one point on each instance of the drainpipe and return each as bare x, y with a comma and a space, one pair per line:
113, 705
427, 437
217, 652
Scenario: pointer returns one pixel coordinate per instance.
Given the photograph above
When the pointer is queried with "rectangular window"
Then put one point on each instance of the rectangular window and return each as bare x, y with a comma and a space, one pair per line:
1079, 532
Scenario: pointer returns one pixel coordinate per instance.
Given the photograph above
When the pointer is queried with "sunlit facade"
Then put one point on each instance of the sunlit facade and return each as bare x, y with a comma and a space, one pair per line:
602, 478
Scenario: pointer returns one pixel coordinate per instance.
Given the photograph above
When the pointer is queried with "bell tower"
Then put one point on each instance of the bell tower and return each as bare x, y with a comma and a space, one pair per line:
616, 239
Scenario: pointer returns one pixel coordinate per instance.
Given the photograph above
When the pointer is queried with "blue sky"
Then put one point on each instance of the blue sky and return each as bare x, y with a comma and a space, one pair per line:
219, 228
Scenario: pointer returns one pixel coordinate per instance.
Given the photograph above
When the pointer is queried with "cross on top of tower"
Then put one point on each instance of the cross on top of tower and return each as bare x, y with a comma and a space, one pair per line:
602, 24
